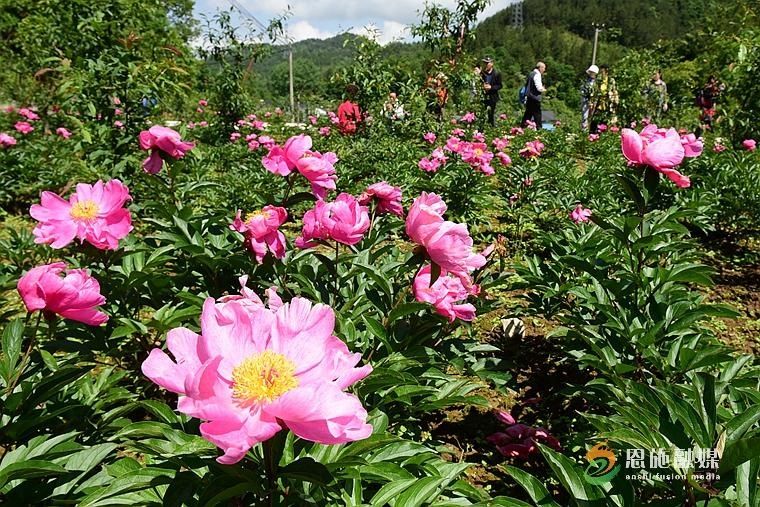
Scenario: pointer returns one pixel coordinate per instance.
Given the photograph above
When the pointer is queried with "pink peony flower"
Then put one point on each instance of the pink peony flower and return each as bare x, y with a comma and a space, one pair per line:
203, 124
430, 137
324, 131
558, 124
63, 132
477, 156
504, 158
454, 144
503, 116
312, 119
203, 102
235, 136
602, 127
717, 147
580, 214
120, 125
749, 144
659, 149
439, 155
94, 213
500, 143
478, 136
261, 231
254, 371
6, 140
468, 117
253, 145
74, 296
532, 149
614, 129
516, 131
23, 127
692, 147
444, 294
531, 125
319, 169
519, 440
343, 220
118, 112
387, 196
282, 160
458, 132
28, 114
162, 142
593, 137
430, 165
447, 244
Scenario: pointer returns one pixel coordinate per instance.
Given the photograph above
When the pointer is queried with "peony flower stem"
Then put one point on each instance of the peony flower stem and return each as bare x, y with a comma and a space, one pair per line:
272, 452
337, 275
27, 353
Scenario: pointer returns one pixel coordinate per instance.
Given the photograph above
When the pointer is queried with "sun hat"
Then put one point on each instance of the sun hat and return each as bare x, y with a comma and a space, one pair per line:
593, 69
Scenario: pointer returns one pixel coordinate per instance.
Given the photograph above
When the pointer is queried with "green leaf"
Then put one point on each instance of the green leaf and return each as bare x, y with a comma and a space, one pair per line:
404, 310
306, 469
13, 335
738, 453
28, 469
570, 476
738, 426
535, 488
422, 491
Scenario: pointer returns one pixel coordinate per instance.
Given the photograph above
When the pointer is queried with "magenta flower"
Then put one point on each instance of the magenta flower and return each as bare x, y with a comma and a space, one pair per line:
602, 127
319, 169
593, 137
457, 132
253, 145
6, 140
254, 371
23, 127
580, 214
387, 197
478, 136
163, 143
94, 213
531, 125
468, 117
282, 160
454, 144
532, 149
324, 131
614, 129
500, 143
659, 149
504, 158
261, 231
516, 131
429, 137
235, 136
503, 116
343, 220
447, 244
63, 132
444, 294
203, 102
73, 296
692, 147
439, 155
749, 144
519, 440
477, 156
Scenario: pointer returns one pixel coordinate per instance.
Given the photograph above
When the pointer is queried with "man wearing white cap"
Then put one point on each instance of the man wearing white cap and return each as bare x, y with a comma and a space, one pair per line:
587, 91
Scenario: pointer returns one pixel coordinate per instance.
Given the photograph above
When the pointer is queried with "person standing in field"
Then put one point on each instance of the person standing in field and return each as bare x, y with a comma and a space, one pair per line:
657, 96
705, 100
535, 89
587, 92
349, 112
491, 85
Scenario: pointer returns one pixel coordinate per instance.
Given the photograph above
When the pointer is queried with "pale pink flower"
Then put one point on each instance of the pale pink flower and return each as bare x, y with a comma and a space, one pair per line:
120, 125
593, 137
63, 132
118, 112
387, 197
253, 145
94, 213
429, 165
74, 296
454, 144
532, 149
749, 144
23, 127
500, 143
6, 140
503, 116
478, 136
516, 131
447, 244
254, 371
614, 129
430, 137
659, 149
580, 214
519, 440
203, 124
250, 137
343, 220
235, 136
269, 143
468, 117
602, 127
447, 294
504, 158
439, 155
262, 231
28, 114
162, 142
457, 132
198, 109
312, 119
324, 131
530, 125
203, 102
558, 124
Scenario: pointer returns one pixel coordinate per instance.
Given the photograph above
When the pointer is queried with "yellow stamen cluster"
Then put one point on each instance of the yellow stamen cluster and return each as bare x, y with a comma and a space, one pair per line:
263, 377
250, 216
84, 210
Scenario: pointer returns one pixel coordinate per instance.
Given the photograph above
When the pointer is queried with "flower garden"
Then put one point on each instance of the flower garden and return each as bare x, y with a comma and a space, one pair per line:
267, 312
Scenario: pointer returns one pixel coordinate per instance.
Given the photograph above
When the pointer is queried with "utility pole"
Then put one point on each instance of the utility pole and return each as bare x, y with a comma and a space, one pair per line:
597, 29
290, 70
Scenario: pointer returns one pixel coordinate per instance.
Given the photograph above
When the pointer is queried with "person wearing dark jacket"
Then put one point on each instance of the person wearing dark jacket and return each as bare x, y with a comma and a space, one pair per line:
491, 85
535, 89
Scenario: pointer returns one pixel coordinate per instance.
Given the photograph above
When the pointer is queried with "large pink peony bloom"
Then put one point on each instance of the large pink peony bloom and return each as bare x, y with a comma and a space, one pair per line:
477, 156
73, 296
319, 169
343, 220
261, 230
162, 142
659, 149
94, 213
445, 294
6, 140
692, 147
254, 371
447, 244
28, 114
282, 160
749, 144
430, 165
387, 196
23, 127
532, 149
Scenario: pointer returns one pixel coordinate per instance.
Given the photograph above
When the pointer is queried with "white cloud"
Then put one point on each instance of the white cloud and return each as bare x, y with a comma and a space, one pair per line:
304, 30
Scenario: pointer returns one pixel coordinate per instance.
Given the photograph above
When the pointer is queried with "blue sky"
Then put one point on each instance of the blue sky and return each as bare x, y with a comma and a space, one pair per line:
325, 18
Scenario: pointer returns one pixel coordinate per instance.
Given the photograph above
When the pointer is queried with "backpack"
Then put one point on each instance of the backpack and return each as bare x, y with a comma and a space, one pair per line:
522, 95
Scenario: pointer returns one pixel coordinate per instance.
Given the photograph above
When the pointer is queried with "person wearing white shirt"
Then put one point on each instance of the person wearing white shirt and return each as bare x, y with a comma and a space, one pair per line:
535, 88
